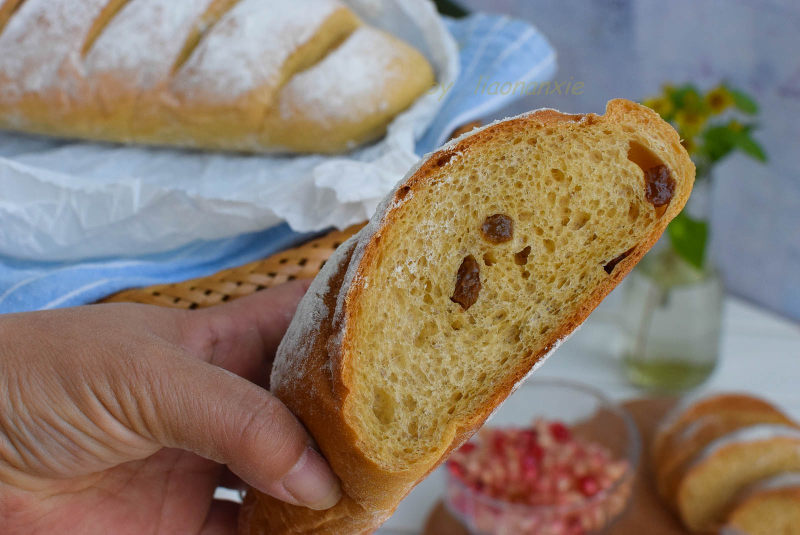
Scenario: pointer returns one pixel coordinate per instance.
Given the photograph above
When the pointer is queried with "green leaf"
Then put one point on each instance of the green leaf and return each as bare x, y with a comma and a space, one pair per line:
718, 142
451, 8
689, 237
743, 101
750, 146
686, 97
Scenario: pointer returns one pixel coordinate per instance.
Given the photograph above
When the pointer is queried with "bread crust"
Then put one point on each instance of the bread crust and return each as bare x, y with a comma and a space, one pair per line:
236, 89
751, 511
694, 425
313, 375
742, 458
687, 412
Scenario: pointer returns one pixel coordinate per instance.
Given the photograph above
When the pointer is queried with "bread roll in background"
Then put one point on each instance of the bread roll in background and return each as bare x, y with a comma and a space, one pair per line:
695, 424
240, 75
770, 507
481, 261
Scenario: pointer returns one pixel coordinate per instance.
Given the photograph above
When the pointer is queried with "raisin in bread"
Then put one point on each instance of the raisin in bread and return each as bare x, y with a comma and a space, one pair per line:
481, 261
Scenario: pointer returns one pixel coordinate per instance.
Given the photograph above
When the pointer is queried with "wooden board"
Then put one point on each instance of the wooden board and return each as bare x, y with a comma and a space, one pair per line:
645, 514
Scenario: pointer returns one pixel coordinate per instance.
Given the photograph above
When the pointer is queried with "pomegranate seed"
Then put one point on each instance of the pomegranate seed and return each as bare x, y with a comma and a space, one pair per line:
560, 432
537, 452
467, 448
499, 443
588, 486
529, 461
529, 436
544, 465
456, 469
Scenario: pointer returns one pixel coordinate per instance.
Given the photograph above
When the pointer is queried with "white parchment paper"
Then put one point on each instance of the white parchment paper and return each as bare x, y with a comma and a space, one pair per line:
73, 200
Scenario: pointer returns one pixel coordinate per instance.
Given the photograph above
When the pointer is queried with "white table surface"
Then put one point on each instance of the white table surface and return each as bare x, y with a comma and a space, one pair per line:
760, 353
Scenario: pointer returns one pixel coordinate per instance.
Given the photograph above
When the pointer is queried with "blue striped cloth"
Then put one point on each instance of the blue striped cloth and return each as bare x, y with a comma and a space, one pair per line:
493, 49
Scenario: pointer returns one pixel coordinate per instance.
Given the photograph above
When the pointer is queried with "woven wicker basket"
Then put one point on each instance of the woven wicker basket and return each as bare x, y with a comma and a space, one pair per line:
300, 262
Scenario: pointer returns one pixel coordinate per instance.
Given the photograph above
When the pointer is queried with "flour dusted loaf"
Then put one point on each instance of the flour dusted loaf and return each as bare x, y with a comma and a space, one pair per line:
728, 466
243, 75
770, 507
695, 424
477, 265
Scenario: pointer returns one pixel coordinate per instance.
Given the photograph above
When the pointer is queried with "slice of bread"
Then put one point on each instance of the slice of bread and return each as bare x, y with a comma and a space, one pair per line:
728, 466
486, 256
695, 425
772, 507
692, 408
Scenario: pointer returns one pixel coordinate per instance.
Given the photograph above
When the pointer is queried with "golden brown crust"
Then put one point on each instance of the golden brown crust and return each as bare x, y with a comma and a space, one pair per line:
684, 415
731, 465
318, 394
314, 401
753, 512
64, 90
691, 428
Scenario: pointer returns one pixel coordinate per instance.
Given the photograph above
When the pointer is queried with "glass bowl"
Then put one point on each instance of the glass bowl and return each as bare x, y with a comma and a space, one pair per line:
591, 417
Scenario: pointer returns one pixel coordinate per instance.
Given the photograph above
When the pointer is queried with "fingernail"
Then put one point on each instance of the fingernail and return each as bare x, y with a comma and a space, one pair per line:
312, 483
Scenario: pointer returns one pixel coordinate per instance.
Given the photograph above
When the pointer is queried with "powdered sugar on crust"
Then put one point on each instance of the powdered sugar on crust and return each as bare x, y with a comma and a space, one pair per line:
248, 47
695, 427
302, 333
676, 413
387, 205
789, 480
142, 42
42, 39
754, 433
456, 140
777, 483
352, 89
312, 310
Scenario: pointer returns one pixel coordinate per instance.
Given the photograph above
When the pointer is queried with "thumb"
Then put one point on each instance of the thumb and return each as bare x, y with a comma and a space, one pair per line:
218, 415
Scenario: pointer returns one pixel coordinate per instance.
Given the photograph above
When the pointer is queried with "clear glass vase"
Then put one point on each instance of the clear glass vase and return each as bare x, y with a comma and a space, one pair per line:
672, 322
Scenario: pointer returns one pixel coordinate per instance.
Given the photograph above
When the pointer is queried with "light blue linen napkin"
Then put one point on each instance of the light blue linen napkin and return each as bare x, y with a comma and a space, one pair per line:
496, 53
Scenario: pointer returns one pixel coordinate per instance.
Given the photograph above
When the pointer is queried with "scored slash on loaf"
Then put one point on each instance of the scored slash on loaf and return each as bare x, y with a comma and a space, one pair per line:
486, 256
244, 75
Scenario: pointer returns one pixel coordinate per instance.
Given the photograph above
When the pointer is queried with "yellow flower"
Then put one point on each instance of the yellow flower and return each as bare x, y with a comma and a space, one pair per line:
719, 99
690, 121
691, 100
660, 105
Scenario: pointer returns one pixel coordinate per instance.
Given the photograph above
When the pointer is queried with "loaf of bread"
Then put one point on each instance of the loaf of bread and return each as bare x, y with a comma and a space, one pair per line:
242, 75
693, 425
770, 507
728, 466
481, 261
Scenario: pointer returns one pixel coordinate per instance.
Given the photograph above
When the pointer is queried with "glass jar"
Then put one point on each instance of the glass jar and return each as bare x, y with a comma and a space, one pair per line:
672, 322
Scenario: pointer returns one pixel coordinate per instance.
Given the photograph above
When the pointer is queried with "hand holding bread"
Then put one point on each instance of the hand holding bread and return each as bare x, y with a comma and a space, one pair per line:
120, 418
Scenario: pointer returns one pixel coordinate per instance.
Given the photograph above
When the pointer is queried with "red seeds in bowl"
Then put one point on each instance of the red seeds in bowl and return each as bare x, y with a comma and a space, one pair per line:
544, 465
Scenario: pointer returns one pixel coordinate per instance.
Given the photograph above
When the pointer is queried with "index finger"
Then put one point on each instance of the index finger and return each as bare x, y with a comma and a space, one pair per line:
243, 335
